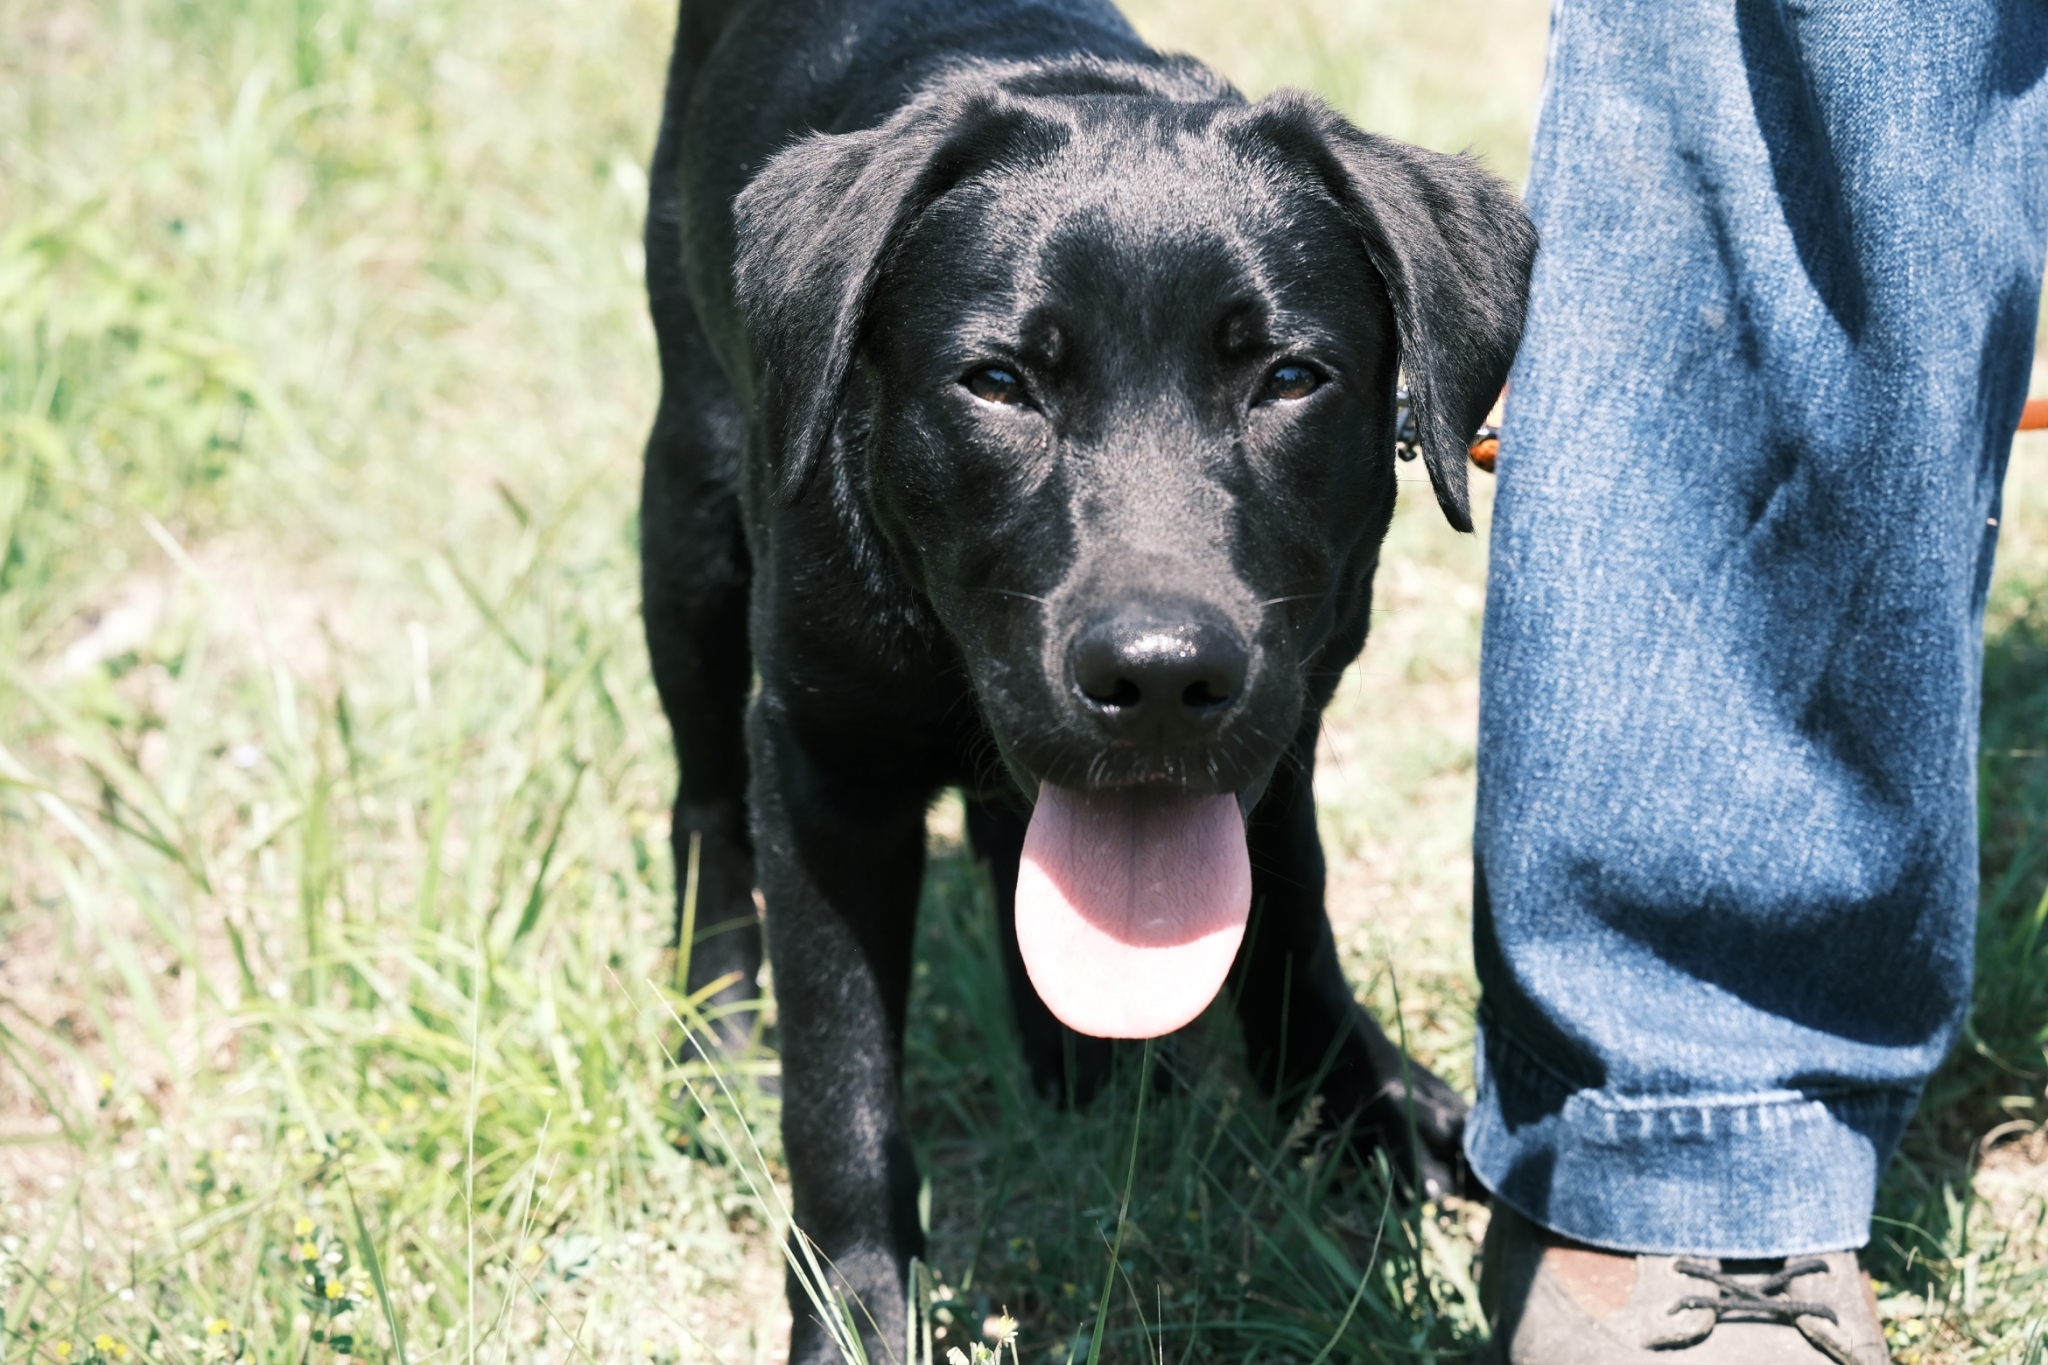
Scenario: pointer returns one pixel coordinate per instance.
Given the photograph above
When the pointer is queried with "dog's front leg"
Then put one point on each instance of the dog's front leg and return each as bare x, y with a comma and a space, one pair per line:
841, 854
1302, 1025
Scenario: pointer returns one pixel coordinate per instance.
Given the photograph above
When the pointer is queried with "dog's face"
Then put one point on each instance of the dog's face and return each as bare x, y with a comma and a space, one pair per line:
1128, 376
1129, 418
1117, 376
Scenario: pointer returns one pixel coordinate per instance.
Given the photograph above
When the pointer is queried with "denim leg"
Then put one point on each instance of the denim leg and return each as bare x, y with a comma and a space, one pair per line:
1725, 856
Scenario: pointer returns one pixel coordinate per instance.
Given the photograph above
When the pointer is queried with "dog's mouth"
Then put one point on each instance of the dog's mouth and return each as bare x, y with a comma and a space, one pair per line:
1131, 904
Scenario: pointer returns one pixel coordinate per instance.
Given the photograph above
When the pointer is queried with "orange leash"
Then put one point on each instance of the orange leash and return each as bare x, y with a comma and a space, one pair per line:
1486, 444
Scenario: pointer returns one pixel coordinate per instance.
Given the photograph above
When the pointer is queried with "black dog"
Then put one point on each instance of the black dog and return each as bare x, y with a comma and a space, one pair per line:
1027, 426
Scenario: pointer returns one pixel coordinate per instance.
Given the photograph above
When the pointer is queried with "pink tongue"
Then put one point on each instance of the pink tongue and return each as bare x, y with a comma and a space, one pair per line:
1130, 906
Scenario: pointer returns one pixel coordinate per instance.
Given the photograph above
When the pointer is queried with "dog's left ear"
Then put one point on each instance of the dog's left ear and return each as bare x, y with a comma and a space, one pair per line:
815, 227
1454, 248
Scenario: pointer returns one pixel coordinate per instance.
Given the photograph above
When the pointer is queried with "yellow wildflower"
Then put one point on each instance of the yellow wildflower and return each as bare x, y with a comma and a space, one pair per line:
304, 1227
63, 1349
103, 1342
334, 1289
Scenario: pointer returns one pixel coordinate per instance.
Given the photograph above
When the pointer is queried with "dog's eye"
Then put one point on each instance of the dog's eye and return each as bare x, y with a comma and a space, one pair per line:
1290, 382
994, 384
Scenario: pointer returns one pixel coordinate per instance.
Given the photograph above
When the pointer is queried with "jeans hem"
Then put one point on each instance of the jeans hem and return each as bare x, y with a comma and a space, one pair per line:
1757, 1174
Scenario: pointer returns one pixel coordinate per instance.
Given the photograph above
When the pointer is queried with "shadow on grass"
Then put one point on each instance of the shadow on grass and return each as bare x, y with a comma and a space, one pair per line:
1243, 1240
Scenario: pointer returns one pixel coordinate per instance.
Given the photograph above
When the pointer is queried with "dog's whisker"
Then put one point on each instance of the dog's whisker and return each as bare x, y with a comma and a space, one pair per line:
1012, 592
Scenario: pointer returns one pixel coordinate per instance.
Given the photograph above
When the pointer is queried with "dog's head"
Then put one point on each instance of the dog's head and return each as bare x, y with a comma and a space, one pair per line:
1124, 370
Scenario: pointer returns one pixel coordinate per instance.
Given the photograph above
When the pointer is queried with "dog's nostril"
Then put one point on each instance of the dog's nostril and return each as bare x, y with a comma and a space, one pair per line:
1118, 692
1201, 695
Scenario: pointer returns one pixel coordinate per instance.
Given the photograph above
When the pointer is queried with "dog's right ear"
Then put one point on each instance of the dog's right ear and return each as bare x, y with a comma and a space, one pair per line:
814, 229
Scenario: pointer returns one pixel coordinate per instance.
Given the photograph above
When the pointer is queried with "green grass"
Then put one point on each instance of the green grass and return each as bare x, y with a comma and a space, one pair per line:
333, 871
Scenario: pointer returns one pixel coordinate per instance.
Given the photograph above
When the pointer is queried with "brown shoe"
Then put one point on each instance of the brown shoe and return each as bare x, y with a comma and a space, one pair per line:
1554, 1302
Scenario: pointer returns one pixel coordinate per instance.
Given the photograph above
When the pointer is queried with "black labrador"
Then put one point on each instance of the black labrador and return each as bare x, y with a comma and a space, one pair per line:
1027, 426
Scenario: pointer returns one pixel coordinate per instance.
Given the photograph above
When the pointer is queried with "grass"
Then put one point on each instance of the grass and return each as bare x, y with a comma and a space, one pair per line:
333, 790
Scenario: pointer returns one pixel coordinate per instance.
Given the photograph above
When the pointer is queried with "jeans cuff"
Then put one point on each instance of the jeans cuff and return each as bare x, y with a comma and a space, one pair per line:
1762, 1174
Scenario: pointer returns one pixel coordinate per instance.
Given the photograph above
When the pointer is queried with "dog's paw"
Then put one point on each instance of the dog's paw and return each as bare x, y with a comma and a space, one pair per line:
1414, 1117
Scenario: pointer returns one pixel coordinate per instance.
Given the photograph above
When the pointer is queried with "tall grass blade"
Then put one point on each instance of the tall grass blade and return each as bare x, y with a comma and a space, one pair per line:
366, 1246
1123, 1211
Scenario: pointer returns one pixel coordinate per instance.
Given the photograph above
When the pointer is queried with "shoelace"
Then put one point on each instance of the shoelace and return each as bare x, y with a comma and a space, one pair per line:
1754, 1300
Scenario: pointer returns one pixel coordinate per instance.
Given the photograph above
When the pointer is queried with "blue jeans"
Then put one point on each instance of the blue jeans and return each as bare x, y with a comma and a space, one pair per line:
1725, 856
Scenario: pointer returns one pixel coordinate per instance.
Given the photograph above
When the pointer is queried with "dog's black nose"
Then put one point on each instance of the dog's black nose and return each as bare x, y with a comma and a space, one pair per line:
1179, 671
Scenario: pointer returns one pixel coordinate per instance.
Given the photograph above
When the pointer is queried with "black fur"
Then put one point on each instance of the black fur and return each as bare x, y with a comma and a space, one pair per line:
857, 204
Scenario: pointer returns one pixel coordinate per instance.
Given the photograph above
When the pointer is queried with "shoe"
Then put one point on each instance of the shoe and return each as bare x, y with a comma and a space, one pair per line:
1554, 1302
